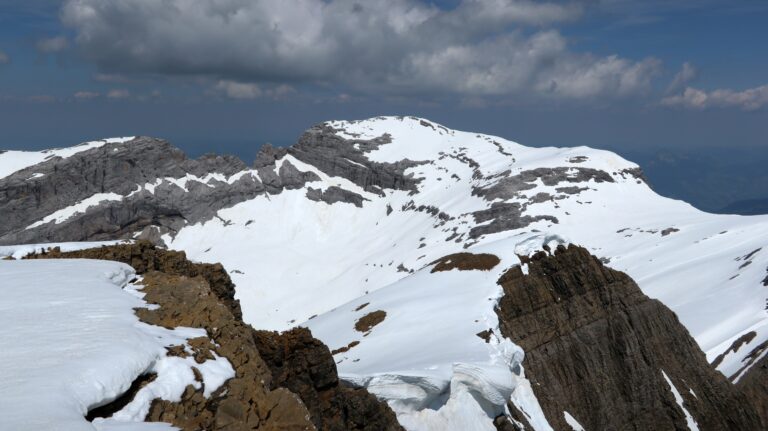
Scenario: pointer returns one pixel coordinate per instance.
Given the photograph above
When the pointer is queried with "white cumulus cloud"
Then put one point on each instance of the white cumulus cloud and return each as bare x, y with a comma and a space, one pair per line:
749, 100
686, 74
118, 94
394, 47
239, 90
85, 95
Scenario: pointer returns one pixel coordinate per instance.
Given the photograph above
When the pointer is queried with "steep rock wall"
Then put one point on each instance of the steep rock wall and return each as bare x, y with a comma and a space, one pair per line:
596, 346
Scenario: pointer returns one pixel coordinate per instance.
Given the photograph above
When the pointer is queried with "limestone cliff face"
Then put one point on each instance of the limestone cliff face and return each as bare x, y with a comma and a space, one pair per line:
596, 346
119, 169
282, 381
155, 187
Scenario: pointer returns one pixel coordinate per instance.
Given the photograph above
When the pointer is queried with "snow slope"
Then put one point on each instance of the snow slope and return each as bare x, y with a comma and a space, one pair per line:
71, 342
293, 258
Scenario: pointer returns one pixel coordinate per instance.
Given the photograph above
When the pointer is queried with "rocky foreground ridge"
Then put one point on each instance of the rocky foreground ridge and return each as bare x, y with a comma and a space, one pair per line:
595, 347
283, 381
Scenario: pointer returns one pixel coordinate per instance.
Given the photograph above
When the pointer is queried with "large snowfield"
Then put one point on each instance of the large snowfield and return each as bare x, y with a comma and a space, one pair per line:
297, 261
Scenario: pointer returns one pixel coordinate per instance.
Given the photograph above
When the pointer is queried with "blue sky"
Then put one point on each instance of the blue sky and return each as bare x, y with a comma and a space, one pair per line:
229, 75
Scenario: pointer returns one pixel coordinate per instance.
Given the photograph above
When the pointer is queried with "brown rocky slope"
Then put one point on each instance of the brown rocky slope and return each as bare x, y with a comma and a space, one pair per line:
283, 381
595, 347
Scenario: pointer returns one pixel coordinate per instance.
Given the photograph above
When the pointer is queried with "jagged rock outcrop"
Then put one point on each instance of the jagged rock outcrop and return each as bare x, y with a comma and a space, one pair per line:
510, 185
304, 365
335, 194
596, 346
321, 147
282, 381
503, 217
244, 402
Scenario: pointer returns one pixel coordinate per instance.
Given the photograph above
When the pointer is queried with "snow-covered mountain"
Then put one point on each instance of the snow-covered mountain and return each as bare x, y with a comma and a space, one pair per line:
343, 232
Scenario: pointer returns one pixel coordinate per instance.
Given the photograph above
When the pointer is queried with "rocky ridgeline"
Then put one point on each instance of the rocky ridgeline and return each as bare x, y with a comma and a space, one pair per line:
33, 193
595, 347
283, 381
156, 189
146, 187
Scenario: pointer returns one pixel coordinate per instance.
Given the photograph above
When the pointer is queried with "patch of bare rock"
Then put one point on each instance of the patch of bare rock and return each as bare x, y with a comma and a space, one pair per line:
744, 339
345, 348
669, 230
367, 322
466, 262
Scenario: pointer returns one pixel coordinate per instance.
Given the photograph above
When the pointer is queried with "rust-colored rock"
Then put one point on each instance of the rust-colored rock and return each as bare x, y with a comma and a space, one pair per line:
345, 348
304, 365
466, 262
367, 322
595, 346
244, 402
